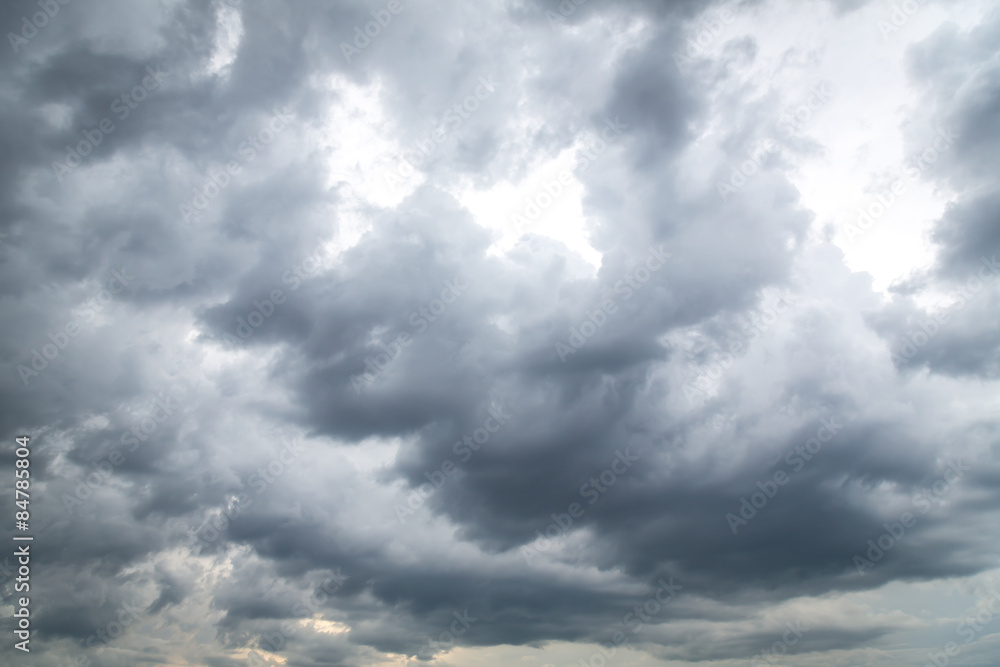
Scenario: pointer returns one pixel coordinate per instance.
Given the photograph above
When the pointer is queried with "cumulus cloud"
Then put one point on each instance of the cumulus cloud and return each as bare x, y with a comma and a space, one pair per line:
376, 332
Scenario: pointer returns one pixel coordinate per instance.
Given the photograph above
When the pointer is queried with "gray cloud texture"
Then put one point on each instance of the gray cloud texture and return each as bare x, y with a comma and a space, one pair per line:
217, 486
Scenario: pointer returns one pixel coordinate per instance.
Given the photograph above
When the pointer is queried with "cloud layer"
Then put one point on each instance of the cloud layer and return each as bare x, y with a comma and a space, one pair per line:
366, 333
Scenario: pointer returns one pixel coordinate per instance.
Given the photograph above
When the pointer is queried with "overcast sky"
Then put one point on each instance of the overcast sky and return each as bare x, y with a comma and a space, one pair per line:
635, 332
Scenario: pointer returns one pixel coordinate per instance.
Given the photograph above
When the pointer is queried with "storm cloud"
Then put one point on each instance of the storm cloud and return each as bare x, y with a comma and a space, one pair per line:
634, 332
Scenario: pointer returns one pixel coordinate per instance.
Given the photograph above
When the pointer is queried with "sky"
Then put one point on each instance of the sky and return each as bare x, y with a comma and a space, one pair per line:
509, 332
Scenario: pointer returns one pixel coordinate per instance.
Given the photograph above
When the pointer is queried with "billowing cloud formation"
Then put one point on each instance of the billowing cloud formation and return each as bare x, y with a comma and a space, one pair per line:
361, 333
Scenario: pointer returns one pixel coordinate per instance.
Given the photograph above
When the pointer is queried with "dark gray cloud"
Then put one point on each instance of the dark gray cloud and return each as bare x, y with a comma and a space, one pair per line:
280, 407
